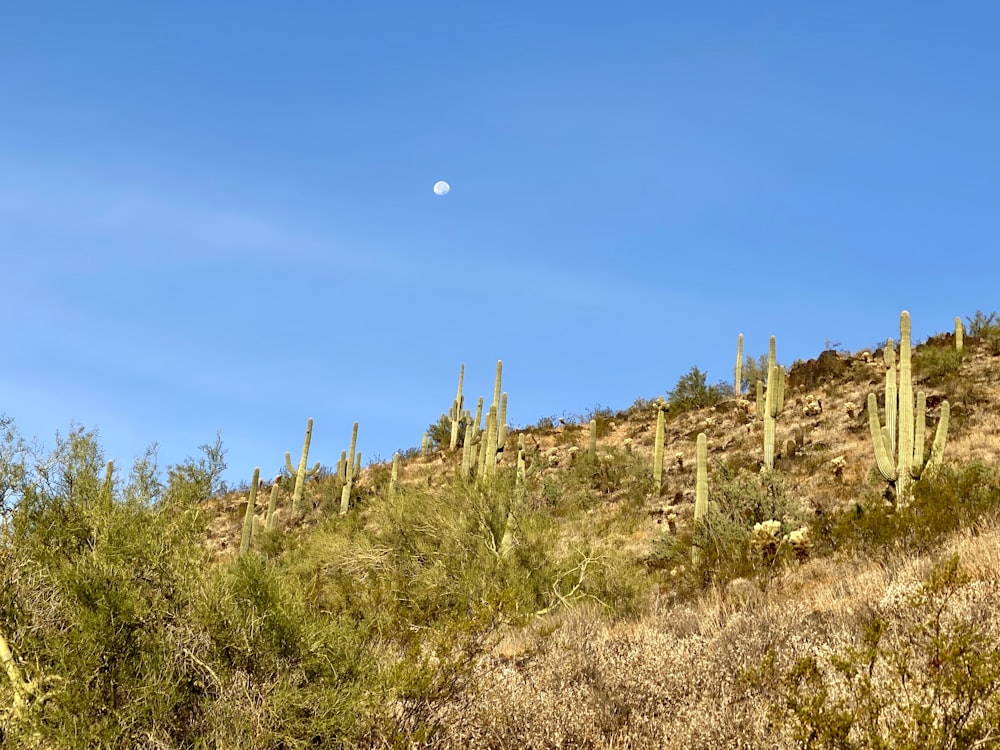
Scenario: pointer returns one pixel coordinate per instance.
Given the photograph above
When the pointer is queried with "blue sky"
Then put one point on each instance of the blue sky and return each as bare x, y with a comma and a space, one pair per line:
219, 216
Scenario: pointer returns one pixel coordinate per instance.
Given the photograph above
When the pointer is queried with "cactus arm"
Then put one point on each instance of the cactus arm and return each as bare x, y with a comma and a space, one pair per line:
502, 424
891, 400
919, 431
883, 456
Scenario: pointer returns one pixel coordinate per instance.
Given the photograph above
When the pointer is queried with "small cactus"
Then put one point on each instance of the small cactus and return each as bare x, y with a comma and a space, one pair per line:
959, 340
592, 443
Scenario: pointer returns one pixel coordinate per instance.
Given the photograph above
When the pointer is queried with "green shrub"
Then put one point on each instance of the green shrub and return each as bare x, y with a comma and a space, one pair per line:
943, 501
926, 677
983, 325
692, 392
932, 364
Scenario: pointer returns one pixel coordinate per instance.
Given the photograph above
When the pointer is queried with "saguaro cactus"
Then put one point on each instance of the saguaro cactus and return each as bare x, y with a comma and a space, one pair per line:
351, 470
700, 490
272, 505
738, 387
959, 331
769, 406
661, 408
592, 443
301, 473
899, 445
456, 409
249, 515
394, 476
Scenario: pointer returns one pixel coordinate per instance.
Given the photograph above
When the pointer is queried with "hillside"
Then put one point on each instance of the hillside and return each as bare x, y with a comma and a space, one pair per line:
576, 604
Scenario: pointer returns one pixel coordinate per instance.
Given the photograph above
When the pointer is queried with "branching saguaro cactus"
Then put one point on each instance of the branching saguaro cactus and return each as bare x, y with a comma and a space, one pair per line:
352, 467
700, 490
769, 406
899, 444
248, 517
301, 473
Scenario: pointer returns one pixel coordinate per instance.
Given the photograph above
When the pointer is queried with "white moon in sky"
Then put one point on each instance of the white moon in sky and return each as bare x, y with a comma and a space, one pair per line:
441, 187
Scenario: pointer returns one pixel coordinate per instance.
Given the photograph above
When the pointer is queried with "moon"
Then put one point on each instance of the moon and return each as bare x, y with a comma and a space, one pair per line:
441, 187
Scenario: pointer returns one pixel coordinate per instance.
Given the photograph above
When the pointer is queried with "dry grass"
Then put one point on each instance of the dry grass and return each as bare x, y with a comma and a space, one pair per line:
683, 676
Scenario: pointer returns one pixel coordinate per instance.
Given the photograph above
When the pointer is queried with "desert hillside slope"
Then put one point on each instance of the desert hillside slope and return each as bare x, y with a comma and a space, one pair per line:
562, 597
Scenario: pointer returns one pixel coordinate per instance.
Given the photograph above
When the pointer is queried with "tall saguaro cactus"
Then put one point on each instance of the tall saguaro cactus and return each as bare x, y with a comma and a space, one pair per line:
769, 406
301, 473
456, 409
959, 331
352, 468
701, 489
899, 444
661, 407
249, 515
738, 387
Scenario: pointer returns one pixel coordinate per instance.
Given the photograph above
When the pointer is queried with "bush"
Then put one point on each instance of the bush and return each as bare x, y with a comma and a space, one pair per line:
692, 392
932, 364
983, 325
926, 676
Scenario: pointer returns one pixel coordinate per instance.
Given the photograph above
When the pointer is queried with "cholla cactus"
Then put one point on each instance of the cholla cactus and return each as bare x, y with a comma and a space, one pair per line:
800, 542
766, 536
